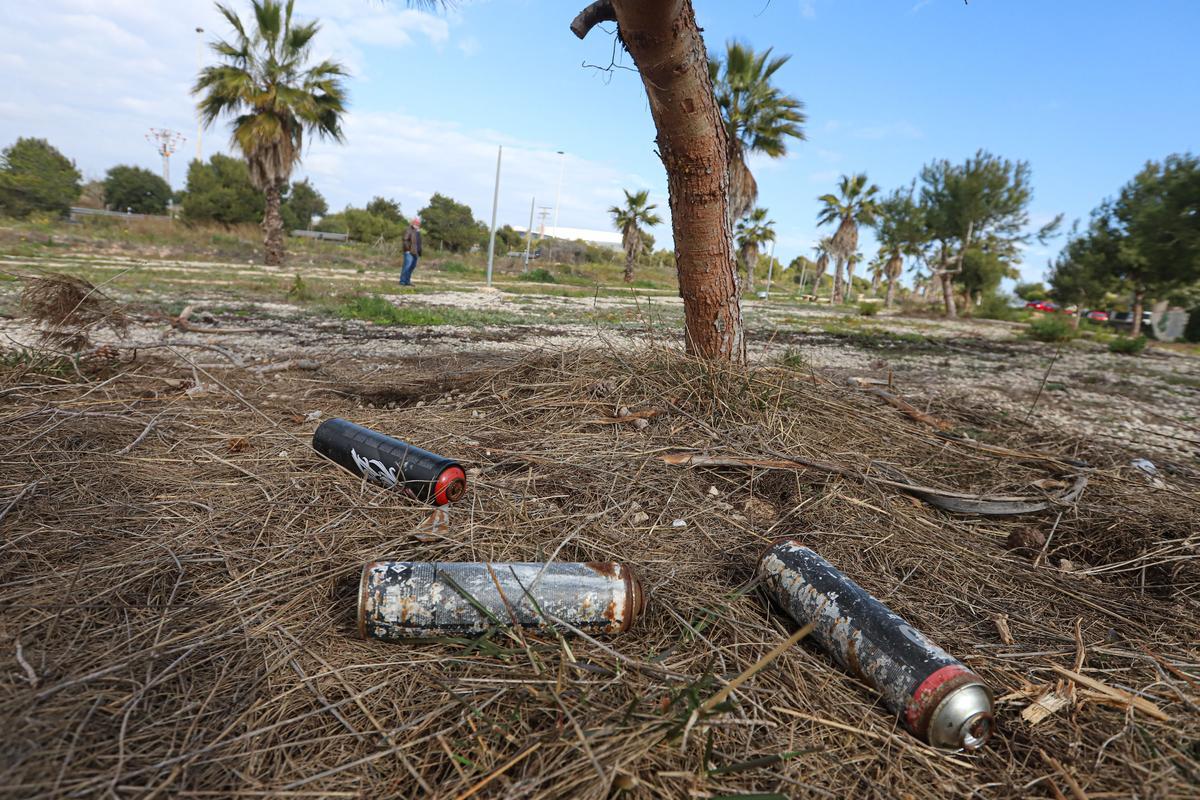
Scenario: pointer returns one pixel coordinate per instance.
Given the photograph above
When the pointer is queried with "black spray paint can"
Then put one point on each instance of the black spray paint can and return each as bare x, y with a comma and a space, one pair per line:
390, 462
937, 697
400, 600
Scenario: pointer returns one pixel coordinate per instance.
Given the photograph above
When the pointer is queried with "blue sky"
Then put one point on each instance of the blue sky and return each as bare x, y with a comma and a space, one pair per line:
1085, 90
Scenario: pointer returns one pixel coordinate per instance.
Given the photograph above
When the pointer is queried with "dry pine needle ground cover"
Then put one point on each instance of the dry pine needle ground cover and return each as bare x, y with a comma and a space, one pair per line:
178, 569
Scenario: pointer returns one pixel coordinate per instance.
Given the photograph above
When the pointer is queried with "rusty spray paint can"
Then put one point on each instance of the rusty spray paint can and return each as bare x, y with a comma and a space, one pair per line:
937, 697
390, 462
404, 599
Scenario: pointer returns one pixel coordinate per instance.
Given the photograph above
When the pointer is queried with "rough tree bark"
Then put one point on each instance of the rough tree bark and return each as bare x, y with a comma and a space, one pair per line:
662, 38
895, 266
272, 225
1139, 303
849, 280
839, 288
633, 244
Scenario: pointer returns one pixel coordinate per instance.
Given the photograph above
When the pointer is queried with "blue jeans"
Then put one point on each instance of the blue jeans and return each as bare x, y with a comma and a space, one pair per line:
410, 264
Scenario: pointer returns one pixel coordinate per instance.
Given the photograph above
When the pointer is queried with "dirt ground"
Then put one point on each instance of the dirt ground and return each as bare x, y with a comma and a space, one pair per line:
179, 567
1147, 405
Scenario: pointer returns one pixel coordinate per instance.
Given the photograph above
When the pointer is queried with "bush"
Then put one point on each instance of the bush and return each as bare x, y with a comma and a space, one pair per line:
299, 291
35, 176
1127, 345
868, 309
997, 306
1052, 328
1191, 331
539, 275
454, 267
220, 191
135, 189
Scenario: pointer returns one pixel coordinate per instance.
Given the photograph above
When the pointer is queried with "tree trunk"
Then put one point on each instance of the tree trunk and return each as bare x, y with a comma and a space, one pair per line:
632, 245
272, 226
839, 288
948, 293
850, 281
666, 46
751, 265
891, 292
1139, 302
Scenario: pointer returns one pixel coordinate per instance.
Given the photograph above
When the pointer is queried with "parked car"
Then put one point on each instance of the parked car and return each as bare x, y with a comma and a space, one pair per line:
1045, 306
1123, 320
1096, 315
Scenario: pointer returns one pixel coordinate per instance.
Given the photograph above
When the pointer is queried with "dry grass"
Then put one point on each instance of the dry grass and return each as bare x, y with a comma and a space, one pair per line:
68, 309
178, 614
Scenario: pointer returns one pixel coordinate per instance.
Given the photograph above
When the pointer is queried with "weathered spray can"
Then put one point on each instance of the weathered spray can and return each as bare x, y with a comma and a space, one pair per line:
937, 697
404, 599
390, 462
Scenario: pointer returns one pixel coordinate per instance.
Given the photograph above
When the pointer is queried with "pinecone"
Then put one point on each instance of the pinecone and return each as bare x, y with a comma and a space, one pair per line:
105, 355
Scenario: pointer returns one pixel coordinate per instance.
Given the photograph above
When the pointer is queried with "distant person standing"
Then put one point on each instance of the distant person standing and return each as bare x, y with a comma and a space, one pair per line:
412, 251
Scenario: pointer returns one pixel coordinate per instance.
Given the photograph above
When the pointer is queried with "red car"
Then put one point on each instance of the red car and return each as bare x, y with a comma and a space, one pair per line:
1045, 306
1097, 316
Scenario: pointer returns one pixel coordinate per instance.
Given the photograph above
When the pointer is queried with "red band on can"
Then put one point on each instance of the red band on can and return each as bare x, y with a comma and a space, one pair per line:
927, 695
450, 486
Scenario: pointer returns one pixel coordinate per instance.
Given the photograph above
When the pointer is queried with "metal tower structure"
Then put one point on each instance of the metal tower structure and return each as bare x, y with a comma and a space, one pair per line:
165, 142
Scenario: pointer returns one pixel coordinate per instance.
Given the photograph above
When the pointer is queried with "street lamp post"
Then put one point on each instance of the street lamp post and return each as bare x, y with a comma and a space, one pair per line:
562, 168
495, 203
529, 234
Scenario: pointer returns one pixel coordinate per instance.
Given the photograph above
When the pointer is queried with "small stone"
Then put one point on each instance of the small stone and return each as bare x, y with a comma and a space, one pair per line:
283, 453
420, 404
641, 424
640, 518
476, 413
1025, 541
713, 491
1065, 565
623, 411
679, 523
312, 416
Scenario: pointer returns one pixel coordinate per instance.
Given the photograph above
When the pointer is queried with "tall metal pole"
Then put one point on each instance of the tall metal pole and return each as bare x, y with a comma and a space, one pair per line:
770, 270
495, 203
199, 67
562, 168
529, 234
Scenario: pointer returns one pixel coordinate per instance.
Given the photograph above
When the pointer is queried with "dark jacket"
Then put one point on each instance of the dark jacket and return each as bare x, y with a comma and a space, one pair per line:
412, 240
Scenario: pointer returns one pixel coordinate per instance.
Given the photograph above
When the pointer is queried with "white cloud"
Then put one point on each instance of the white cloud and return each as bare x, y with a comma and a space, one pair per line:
93, 75
469, 45
808, 9
918, 6
409, 158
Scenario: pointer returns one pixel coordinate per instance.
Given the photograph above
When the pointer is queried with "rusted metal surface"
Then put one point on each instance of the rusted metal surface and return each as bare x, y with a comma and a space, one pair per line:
401, 600
390, 462
937, 697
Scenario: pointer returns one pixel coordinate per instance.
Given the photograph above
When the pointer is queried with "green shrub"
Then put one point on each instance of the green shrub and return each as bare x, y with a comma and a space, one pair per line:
299, 291
376, 309
868, 309
1127, 345
996, 306
454, 267
1191, 331
1052, 328
539, 275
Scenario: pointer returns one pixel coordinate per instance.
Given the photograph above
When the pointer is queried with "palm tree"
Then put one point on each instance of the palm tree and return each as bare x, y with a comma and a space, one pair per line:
854, 205
629, 220
753, 231
264, 83
878, 267
851, 262
823, 249
758, 117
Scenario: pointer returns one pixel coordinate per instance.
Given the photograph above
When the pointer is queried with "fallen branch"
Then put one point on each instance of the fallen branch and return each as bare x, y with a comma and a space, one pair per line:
901, 404
181, 323
291, 363
1140, 703
959, 502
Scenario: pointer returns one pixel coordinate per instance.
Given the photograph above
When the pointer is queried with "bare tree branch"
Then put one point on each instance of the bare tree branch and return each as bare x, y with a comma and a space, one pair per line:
593, 15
